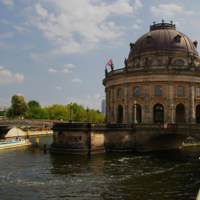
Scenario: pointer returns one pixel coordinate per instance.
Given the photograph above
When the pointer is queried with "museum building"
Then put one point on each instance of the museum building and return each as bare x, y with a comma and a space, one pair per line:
161, 76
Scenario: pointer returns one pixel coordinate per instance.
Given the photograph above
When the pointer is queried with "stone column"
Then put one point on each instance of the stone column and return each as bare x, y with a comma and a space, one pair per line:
126, 103
112, 104
106, 106
170, 101
146, 117
191, 105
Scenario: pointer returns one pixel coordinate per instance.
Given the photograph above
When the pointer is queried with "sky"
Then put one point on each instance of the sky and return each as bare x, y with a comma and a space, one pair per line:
55, 51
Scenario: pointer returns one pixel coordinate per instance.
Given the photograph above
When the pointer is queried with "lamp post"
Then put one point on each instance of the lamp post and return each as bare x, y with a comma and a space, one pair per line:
71, 113
87, 115
135, 116
172, 108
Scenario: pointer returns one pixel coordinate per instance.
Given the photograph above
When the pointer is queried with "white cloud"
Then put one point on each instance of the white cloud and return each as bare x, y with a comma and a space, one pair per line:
27, 46
1, 67
6, 77
82, 17
69, 65
96, 96
9, 3
88, 96
135, 26
66, 71
4, 45
137, 4
169, 10
139, 20
52, 70
58, 88
21, 29
41, 11
7, 35
76, 80
4, 21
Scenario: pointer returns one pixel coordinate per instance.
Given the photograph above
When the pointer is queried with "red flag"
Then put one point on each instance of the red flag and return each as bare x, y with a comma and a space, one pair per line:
109, 62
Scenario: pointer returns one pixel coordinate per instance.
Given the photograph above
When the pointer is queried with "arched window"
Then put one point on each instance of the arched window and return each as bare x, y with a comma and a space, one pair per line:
178, 38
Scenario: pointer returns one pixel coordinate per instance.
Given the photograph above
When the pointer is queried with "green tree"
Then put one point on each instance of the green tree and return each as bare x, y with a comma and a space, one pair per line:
58, 112
33, 103
19, 106
37, 113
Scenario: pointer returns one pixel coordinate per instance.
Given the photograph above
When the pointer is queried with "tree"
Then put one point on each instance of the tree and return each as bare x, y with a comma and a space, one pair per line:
58, 112
33, 103
37, 113
19, 107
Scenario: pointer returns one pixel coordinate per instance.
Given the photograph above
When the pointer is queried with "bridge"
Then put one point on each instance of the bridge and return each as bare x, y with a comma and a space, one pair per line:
82, 138
7, 124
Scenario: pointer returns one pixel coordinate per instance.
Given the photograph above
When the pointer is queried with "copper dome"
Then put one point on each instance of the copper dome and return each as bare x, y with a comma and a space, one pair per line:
163, 37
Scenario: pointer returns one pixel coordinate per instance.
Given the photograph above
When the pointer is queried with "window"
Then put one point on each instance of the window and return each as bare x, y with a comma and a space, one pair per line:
178, 38
198, 91
119, 92
179, 62
136, 91
158, 89
180, 90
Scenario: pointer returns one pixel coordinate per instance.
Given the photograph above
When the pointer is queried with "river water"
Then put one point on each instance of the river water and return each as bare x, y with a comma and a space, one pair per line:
29, 173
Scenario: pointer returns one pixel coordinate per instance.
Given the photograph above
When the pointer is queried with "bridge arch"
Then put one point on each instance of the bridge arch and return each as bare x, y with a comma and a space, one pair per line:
180, 113
158, 113
138, 112
164, 141
198, 114
119, 113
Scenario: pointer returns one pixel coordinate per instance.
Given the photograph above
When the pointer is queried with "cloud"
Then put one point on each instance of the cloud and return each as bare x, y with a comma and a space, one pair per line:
58, 88
21, 29
139, 20
9, 3
69, 65
96, 96
4, 45
6, 77
52, 70
135, 26
27, 46
66, 71
76, 80
4, 21
88, 96
7, 35
169, 10
84, 18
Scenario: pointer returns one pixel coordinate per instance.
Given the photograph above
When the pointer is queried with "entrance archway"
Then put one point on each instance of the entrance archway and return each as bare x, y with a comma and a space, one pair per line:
198, 114
138, 113
120, 114
180, 113
158, 111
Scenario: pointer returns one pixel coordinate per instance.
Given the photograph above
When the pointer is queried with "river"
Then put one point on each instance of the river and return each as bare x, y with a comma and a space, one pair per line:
29, 173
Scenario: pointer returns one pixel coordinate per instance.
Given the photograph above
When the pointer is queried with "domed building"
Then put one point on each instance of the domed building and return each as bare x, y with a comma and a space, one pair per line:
162, 76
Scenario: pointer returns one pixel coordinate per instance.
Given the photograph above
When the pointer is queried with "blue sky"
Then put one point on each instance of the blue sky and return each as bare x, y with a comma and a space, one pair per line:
55, 51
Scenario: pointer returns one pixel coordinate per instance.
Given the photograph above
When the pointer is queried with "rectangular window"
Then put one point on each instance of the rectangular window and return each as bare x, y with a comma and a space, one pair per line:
136, 91
180, 90
109, 94
198, 91
119, 92
158, 89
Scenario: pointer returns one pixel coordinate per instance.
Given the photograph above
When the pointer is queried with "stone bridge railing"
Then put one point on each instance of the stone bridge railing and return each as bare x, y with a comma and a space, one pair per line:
29, 122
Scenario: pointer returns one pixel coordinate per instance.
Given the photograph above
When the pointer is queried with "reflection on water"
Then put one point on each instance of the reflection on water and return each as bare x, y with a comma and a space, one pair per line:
29, 173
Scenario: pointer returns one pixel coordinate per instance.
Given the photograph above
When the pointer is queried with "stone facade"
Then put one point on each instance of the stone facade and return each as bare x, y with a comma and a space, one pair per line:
163, 78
